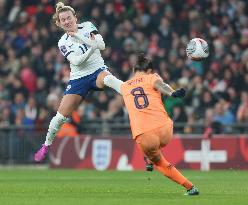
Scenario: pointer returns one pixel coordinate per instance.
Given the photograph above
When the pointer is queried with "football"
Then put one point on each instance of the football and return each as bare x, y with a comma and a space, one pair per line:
197, 49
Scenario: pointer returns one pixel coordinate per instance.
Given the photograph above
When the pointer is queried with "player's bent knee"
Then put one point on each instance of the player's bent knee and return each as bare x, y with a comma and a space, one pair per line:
68, 104
66, 111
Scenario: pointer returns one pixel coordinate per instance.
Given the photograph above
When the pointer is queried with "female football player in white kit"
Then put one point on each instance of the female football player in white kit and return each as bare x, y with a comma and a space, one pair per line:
81, 45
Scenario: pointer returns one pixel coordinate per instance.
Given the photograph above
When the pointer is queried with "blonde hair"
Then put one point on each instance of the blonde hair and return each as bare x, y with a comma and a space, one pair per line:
61, 7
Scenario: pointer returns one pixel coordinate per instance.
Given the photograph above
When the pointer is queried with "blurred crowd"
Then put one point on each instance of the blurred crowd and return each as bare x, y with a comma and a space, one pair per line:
33, 73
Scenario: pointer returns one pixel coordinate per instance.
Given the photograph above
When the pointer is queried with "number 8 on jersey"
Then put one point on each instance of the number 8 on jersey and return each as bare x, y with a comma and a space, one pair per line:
139, 95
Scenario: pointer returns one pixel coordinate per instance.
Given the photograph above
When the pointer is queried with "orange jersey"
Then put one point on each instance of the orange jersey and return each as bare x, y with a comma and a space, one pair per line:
144, 104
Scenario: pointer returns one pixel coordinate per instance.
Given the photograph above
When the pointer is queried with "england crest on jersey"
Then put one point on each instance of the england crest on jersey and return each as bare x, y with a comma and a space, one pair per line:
63, 49
101, 153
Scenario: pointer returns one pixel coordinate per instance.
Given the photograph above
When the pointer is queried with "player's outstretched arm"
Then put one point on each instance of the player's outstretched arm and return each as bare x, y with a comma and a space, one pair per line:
166, 89
163, 88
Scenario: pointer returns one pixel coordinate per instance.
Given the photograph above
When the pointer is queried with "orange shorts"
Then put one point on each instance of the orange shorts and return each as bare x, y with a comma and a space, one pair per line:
151, 142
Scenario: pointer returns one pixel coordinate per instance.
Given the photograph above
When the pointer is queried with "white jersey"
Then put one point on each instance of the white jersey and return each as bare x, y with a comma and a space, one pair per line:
69, 47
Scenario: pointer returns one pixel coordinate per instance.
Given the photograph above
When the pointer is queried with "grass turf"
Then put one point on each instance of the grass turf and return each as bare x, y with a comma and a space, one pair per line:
74, 187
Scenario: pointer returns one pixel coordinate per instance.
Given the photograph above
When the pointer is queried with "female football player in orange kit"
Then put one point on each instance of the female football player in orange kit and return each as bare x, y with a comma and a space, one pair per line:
152, 128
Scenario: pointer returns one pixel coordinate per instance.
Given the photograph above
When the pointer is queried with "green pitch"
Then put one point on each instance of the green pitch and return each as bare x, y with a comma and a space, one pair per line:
72, 187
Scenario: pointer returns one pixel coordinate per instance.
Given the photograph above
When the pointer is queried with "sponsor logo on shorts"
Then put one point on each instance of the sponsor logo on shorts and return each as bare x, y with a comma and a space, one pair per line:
68, 87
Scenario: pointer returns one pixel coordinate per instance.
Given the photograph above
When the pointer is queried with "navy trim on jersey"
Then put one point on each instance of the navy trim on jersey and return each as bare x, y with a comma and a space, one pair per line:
68, 53
94, 32
67, 37
80, 27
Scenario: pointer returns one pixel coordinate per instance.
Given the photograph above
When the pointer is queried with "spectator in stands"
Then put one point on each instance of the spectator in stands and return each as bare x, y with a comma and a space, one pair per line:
223, 115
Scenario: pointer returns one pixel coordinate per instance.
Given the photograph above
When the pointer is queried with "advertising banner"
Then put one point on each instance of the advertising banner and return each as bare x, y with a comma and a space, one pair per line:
121, 153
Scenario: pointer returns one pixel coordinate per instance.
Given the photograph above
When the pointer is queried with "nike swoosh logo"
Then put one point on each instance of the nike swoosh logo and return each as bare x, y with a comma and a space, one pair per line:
56, 158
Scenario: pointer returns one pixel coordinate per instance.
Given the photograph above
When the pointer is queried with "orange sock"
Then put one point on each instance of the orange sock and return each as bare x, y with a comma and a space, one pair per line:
171, 172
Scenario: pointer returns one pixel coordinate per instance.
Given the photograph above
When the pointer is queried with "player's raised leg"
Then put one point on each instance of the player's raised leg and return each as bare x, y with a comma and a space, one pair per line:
68, 104
105, 78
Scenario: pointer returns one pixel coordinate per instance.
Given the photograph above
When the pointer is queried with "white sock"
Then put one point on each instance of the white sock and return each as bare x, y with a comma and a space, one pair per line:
54, 126
113, 82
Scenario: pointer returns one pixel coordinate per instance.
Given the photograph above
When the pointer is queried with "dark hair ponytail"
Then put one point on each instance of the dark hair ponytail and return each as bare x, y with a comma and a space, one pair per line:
143, 63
